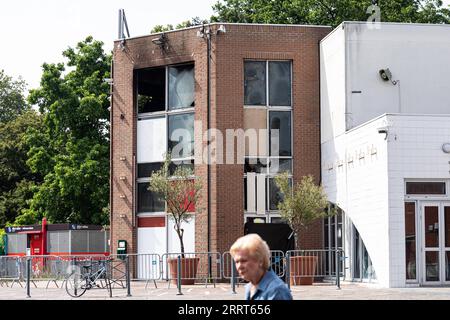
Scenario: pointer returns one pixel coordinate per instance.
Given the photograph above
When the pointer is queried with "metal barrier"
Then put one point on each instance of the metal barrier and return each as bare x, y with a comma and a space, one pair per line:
145, 267
193, 267
304, 267
11, 270
277, 264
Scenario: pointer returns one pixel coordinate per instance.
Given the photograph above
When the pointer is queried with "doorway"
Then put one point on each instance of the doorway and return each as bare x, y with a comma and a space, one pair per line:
435, 234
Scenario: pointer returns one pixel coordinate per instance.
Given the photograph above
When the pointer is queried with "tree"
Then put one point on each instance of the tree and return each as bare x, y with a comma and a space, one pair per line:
72, 154
17, 181
180, 190
328, 12
185, 24
12, 100
302, 204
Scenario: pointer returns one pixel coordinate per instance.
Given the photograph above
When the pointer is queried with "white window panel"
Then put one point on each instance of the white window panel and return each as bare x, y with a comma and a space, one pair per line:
151, 140
188, 236
261, 193
150, 241
251, 203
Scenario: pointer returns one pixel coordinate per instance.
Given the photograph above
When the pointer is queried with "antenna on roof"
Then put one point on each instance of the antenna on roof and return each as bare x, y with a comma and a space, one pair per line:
123, 25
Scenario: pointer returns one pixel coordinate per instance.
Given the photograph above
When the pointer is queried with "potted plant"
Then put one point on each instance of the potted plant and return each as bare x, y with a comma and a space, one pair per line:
180, 190
301, 205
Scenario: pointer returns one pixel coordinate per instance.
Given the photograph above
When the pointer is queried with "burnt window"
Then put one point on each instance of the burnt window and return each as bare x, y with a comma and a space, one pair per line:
151, 90
425, 188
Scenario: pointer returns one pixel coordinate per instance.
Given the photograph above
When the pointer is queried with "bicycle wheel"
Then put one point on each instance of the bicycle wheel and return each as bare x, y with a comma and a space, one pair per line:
76, 284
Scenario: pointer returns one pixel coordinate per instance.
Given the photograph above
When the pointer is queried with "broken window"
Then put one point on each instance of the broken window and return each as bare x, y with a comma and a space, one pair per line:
151, 90
281, 121
181, 135
181, 87
255, 83
280, 83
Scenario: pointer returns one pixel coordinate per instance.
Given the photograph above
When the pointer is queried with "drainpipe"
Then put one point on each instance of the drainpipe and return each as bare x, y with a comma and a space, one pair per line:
208, 124
111, 160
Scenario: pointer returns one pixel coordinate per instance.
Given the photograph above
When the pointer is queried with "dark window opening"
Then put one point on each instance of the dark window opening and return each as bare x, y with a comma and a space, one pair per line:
149, 201
280, 83
145, 170
425, 188
151, 90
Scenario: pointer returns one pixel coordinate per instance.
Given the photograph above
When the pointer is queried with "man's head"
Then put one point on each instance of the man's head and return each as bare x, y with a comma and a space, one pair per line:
252, 257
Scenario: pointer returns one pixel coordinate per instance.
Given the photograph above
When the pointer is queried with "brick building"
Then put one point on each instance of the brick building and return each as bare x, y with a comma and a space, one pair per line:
256, 77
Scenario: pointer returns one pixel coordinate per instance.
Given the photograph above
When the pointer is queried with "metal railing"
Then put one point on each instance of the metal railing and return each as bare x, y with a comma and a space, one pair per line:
296, 267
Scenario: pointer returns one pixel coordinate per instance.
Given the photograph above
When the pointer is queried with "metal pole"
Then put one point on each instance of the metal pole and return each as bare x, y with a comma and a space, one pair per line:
288, 275
28, 276
338, 269
179, 276
127, 267
233, 276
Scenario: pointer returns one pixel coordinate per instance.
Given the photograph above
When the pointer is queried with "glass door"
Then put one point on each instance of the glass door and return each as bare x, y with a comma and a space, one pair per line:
436, 243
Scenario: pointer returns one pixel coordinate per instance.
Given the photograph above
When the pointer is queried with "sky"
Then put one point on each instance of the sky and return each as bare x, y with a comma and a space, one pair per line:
38, 31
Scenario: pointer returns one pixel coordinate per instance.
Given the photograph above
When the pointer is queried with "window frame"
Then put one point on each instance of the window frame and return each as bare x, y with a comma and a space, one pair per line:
159, 114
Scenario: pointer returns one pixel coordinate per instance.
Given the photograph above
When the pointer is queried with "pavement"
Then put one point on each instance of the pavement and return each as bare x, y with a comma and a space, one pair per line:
222, 291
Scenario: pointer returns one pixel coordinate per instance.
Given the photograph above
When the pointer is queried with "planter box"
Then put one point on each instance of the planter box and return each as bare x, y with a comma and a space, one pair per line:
188, 270
302, 270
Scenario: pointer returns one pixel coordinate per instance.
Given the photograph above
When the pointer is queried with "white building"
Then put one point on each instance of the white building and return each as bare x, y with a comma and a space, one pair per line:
385, 158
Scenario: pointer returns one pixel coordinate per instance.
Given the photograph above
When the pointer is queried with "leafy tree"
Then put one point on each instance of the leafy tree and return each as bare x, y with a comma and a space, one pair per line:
12, 100
302, 204
180, 190
72, 154
185, 24
328, 12
17, 181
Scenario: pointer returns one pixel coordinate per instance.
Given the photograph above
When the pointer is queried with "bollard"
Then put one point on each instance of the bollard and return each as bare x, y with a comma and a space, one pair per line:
233, 277
288, 273
179, 277
28, 276
127, 270
338, 269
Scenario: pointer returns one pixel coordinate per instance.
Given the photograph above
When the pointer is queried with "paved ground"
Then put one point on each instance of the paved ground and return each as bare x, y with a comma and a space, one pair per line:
349, 291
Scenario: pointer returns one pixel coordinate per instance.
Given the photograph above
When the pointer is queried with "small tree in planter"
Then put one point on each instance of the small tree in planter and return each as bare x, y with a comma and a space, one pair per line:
301, 205
181, 192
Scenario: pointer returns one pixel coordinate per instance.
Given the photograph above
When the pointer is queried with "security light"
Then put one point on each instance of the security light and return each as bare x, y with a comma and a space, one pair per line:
386, 75
446, 147
161, 40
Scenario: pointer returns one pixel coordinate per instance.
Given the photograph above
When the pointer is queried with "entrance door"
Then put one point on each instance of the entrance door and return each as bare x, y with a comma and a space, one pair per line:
35, 244
435, 225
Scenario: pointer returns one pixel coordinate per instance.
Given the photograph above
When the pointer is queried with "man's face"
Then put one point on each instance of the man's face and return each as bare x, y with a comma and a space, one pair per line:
247, 266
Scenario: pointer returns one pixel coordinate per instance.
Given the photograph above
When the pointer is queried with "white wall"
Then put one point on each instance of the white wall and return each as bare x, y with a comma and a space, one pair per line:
418, 55
332, 89
188, 238
151, 140
354, 175
415, 152
150, 241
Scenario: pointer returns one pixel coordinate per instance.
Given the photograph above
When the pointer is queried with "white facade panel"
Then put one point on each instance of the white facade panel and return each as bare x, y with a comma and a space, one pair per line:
415, 152
354, 171
332, 89
188, 238
418, 57
150, 241
151, 140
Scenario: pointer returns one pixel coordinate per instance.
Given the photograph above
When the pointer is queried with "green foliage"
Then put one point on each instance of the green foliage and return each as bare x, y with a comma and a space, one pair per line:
180, 191
327, 12
185, 24
2, 241
12, 100
72, 153
302, 204
17, 181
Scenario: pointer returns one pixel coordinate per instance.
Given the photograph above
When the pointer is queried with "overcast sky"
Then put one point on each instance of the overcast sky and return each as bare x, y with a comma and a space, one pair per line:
37, 31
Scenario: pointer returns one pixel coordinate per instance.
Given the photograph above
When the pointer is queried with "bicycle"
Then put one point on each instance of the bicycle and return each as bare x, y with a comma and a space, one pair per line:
78, 283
